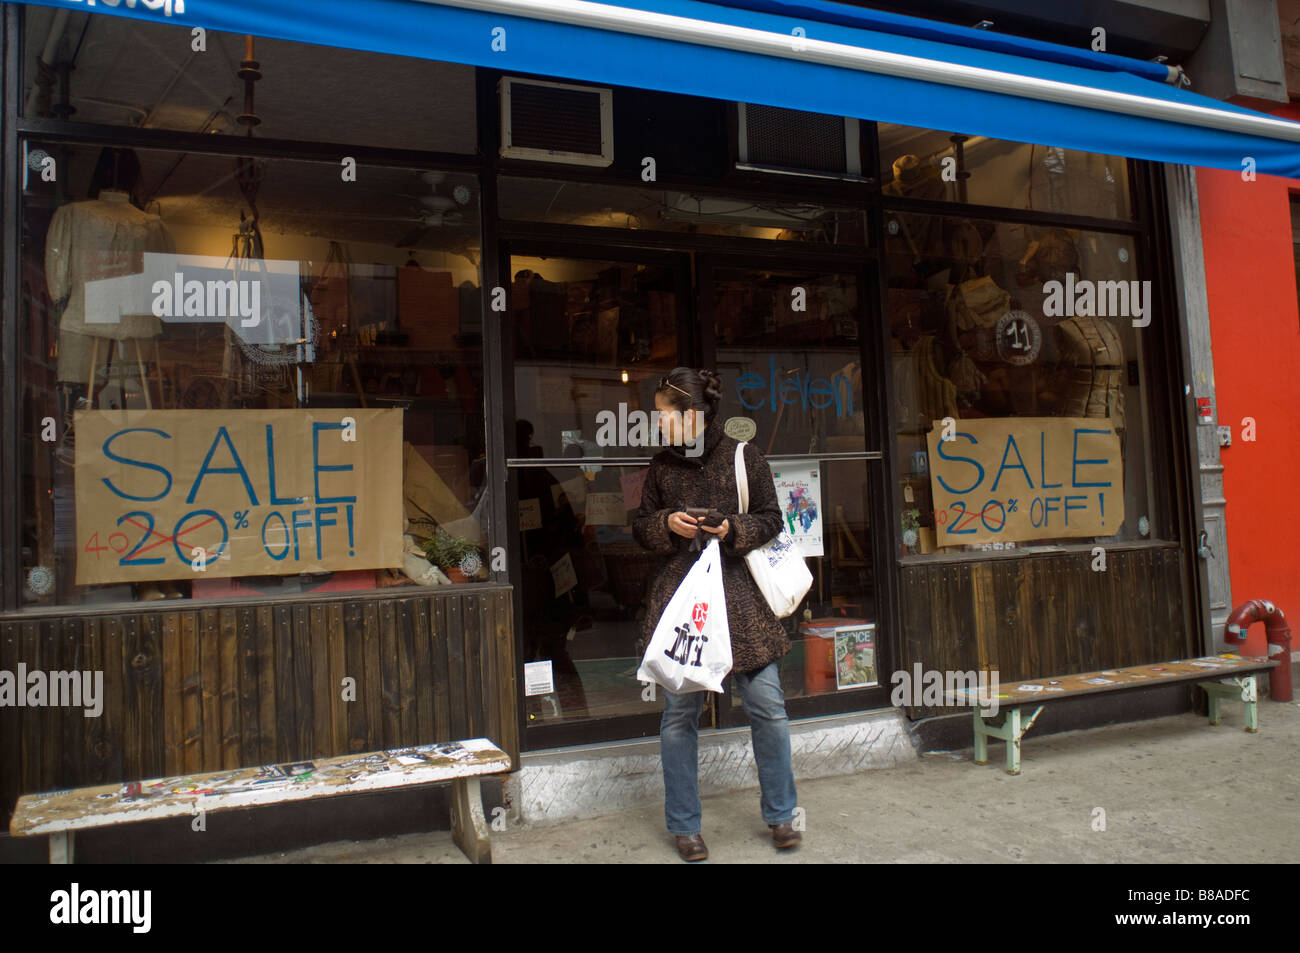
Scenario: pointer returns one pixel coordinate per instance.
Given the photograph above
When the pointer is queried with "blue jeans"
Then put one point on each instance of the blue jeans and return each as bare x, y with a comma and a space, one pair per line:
770, 729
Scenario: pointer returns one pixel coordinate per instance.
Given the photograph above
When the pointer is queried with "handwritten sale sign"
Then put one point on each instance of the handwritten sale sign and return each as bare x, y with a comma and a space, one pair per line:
169, 494
1024, 478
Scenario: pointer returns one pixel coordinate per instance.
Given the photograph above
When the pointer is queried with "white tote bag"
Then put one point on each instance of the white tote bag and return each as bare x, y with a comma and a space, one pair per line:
777, 566
690, 650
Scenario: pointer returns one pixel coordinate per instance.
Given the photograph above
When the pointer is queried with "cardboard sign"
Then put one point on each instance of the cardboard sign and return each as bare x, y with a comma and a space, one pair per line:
631, 484
564, 574
606, 509
173, 494
1025, 478
530, 514
574, 489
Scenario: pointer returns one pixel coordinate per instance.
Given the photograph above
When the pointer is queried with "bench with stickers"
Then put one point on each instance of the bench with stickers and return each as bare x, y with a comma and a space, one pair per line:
1228, 676
59, 814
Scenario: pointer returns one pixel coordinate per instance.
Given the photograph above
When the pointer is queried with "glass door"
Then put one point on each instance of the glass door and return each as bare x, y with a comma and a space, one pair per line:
589, 333
790, 340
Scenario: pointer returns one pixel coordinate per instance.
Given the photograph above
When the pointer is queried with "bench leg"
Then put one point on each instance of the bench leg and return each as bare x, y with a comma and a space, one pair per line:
468, 825
1013, 741
1011, 731
1244, 689
61, 847
1250, 695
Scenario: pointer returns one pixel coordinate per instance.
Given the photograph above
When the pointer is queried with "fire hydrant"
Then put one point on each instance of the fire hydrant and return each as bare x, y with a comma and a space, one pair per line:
1277, 633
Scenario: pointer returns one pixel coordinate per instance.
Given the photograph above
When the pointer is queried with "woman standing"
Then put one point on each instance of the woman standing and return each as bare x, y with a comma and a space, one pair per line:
688, 475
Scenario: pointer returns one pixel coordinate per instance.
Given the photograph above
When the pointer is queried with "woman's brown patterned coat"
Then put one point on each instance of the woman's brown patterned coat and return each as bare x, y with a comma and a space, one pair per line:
674, 483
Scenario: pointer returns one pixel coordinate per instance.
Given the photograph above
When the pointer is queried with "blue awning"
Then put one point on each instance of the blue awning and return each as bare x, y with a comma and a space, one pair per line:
704, 49
886, 22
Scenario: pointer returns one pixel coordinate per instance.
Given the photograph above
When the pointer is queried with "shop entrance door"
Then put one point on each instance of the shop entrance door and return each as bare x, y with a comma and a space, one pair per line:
589, 332
790, 338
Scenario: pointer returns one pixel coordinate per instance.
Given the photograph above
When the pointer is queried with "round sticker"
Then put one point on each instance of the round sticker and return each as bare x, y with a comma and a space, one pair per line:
470, 564
1019, 339
740, 428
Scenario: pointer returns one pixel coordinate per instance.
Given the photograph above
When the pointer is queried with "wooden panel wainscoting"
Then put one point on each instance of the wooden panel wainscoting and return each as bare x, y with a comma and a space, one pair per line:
203, 688
1044, 614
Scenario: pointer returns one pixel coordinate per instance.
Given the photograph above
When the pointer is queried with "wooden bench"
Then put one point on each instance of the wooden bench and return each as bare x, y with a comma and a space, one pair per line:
60, 814
1222, 676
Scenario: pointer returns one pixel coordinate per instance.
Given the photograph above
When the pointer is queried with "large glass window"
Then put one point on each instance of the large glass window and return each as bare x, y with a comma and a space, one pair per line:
247, 377
598, 205
1028, 341
788, 350
88, 67
591, 338
955, 167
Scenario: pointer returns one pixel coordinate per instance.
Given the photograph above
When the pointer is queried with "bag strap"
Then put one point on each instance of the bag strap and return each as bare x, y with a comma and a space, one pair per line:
742, 477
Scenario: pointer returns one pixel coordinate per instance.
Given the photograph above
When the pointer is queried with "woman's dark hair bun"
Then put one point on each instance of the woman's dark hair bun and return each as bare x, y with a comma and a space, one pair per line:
692, 387
712, 386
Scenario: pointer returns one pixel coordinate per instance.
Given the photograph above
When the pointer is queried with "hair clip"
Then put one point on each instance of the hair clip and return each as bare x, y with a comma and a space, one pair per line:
669, 383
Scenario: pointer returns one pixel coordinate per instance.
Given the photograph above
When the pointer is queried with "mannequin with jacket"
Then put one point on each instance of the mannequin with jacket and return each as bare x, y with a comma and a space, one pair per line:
92, 251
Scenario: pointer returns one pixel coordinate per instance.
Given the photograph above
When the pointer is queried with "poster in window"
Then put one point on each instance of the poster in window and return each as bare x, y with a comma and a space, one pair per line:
855, 656
799, 494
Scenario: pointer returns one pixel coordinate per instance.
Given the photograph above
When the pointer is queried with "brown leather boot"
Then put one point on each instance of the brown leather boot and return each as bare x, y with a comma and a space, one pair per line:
784, 835
691, 847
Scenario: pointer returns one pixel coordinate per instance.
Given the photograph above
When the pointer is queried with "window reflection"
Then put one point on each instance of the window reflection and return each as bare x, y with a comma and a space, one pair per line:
953, 167
583, 586
674, 210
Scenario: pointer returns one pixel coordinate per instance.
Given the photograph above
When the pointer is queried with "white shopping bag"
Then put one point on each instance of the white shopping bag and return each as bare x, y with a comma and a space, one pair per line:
690, 650
778, 565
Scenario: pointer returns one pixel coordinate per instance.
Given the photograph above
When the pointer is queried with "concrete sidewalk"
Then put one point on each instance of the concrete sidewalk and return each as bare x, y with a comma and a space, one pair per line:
1173, 790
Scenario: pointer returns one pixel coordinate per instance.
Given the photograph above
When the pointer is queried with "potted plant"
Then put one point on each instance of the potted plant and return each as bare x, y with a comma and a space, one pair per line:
459, 558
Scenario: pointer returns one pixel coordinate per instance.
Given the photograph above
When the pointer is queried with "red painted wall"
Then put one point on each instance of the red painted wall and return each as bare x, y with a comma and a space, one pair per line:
1255, 329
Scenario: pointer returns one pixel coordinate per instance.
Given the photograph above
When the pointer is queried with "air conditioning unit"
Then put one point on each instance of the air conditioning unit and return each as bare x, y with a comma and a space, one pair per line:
556, 122
793, 142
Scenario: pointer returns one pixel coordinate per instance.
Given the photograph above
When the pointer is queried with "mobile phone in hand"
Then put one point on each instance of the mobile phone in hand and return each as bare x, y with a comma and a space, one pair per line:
698, 512
714, 518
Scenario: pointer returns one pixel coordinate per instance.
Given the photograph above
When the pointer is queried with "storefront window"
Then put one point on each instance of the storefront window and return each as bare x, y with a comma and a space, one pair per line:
1028, 342
248, 377
833, 635
787, 346
953, 167
124, 72
582, 590
591, 340
674, 210
789, 354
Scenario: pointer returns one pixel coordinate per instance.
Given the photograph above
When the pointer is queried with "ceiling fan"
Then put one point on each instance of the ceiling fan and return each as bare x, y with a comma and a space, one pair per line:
436, 210
430, 210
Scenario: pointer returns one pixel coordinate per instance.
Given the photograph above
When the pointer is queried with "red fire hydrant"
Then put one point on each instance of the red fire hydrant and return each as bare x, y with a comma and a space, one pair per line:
1277, 633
